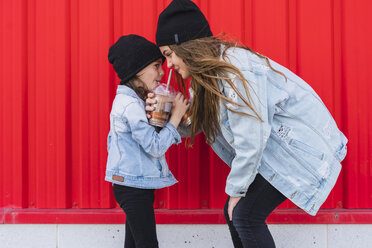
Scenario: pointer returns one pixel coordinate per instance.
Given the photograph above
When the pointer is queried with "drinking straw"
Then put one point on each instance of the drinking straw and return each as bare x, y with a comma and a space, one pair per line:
169, 79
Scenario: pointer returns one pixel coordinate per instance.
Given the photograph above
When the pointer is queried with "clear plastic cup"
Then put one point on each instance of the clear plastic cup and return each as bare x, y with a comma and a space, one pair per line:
164, 98
186, 119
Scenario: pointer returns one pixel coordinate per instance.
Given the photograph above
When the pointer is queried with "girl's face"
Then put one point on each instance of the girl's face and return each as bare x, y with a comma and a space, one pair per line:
173, 61
151, 74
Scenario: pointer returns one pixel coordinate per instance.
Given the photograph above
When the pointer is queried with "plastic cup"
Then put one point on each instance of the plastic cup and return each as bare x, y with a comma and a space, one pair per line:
186, 119
164, 98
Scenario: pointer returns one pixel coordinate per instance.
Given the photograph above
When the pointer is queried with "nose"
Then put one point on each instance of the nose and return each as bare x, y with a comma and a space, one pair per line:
161, 71
169, 63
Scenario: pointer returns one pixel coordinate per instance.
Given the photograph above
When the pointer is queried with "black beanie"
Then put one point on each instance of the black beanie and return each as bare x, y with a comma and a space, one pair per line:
181, 21
130, 54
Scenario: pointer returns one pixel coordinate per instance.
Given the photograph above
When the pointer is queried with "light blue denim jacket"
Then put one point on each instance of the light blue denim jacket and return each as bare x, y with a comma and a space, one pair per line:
136, 152
297, 147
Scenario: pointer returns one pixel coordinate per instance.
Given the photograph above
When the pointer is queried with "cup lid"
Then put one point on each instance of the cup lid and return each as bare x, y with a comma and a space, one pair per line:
162, 89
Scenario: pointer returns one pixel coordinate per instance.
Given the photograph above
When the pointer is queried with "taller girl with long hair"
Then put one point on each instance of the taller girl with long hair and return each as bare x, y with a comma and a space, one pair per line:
265, 122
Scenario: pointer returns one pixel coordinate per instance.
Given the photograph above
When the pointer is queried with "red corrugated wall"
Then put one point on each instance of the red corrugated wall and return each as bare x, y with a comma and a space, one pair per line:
56, 90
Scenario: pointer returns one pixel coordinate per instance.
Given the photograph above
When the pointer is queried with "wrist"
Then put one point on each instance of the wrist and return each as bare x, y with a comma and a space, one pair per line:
177, 115
175, 120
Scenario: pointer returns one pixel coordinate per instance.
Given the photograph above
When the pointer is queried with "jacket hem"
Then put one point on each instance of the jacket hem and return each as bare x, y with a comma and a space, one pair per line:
142, 182
316, 202
310, 204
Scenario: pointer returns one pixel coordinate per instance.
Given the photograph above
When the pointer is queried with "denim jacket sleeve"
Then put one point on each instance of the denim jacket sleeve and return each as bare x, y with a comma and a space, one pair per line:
249, 134
153, 143
184, 131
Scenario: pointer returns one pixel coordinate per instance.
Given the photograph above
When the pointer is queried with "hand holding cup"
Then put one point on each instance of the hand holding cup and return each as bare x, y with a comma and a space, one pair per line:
180, 106
150, 102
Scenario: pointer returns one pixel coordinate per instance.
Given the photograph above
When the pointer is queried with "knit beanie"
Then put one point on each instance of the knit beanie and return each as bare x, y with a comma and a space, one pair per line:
181, 21
130, 54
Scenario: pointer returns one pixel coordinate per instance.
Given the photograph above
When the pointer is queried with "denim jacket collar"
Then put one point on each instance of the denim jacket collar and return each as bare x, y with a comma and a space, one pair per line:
123, 89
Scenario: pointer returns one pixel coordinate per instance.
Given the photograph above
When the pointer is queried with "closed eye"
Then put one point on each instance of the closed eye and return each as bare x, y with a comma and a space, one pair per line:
167, 54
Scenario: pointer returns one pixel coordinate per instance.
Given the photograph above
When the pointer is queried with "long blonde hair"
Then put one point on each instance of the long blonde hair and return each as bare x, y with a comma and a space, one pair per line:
202, 57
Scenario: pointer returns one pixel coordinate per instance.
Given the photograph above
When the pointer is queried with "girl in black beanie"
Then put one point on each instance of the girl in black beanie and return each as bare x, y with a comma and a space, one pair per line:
136, 162
261, 119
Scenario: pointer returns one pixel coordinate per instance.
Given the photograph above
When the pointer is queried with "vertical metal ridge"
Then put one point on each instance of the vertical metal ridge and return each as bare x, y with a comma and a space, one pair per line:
25, 133
68, 106
15, 114
105, 91
337, 84
2, 105
337, 58
252, 26
292, 35
31, 37
76, 101
246, 13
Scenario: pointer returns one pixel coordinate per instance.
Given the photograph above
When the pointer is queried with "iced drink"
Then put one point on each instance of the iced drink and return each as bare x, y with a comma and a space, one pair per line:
164, 98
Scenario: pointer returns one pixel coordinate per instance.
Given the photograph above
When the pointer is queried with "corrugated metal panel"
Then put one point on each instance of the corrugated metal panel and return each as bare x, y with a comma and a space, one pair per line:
57, 88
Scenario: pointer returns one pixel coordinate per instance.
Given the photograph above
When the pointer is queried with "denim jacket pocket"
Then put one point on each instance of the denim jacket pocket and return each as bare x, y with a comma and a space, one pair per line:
306, 149
313, 158
296, 169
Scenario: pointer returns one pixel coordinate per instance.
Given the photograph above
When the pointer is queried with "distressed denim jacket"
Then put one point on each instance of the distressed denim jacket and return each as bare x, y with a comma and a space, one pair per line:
297, 147
136, 152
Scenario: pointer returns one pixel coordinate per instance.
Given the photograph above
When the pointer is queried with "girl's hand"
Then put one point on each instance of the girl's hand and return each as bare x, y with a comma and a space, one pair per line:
150, 101
180, 106
232, 203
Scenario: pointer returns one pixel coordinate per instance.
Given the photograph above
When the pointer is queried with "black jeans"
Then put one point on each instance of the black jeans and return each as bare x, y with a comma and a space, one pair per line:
140, 226
248, 227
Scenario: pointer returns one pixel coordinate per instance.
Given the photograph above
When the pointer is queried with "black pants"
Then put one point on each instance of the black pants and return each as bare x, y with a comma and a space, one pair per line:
140, 226
248, 227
